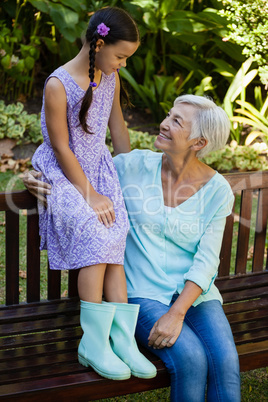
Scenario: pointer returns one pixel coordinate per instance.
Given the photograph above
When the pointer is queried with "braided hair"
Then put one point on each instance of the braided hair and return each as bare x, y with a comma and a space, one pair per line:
122, 27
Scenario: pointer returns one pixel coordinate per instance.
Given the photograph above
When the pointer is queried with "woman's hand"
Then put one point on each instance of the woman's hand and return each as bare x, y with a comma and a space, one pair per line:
103, 207
36, 187
166, 331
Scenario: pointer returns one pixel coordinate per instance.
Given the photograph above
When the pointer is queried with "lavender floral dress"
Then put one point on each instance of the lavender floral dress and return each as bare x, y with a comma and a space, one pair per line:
69, 227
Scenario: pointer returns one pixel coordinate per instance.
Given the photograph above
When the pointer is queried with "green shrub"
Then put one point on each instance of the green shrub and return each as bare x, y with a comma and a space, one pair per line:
138, 140
248, 24
237, 157
16, 123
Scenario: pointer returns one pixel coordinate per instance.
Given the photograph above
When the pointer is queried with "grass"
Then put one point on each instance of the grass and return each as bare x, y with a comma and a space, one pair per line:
254, 384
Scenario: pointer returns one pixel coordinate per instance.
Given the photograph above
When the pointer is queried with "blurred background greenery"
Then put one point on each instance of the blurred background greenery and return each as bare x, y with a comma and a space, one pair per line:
205, 47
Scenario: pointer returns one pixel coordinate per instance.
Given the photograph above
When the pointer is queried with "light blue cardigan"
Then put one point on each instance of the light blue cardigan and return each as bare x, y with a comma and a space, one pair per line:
167, 246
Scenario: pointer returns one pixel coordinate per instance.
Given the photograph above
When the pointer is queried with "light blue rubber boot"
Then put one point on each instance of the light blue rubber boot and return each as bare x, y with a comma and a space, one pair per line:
123, 340
95, 349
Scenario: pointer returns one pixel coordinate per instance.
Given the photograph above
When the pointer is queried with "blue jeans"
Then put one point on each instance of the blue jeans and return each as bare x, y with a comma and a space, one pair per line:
203, 360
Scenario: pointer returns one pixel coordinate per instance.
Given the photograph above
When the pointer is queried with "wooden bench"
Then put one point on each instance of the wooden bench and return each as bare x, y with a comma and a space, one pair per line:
39, 338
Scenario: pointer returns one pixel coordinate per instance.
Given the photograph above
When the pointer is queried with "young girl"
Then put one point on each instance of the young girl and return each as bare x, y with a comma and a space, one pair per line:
85, 223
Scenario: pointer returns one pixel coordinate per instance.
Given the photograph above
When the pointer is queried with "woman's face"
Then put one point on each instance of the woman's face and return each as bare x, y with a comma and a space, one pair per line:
176, 128
110, 58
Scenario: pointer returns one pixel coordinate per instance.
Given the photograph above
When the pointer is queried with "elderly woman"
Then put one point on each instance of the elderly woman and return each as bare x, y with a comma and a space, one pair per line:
177, 208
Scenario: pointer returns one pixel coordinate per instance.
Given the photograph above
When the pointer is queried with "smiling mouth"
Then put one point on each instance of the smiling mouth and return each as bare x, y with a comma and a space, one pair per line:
164, 136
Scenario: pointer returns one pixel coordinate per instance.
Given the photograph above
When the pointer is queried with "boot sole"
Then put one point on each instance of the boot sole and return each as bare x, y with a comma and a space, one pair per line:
86, 363
145, 376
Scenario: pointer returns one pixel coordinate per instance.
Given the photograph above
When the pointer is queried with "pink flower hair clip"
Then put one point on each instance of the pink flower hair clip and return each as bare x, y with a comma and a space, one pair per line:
102, 29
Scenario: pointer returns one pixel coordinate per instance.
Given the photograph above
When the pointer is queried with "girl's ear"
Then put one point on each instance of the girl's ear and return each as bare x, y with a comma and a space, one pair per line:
199, 143
99, 44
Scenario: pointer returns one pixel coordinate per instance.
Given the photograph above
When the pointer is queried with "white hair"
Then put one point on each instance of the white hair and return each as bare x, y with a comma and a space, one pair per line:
210, 122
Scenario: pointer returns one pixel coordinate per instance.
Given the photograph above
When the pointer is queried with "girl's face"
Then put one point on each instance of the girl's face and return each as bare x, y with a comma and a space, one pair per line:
109, 58
175, 129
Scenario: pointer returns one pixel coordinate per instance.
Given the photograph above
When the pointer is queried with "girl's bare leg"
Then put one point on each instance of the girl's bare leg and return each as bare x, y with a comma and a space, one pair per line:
115, 286
90, 283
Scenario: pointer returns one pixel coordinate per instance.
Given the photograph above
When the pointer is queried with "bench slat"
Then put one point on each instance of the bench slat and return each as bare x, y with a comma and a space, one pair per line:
247, 305
226, 249
53, 283
33, 259
40, 338
251, 337
38, 325
238, 282
24, 312
12, 258
243, 232
82, 387
37, 350
72, 289
15, 200
245, 294
248, 316
260, 231
249, 181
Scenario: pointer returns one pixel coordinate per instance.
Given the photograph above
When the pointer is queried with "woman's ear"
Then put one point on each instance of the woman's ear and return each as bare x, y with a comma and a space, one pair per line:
199, 143
99, 44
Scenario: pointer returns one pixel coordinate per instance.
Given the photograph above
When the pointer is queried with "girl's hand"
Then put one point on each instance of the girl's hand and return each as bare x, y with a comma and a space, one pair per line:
103, 207
165, 331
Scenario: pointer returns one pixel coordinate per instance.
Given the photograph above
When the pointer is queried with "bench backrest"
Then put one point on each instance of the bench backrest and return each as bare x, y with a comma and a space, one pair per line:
251, 187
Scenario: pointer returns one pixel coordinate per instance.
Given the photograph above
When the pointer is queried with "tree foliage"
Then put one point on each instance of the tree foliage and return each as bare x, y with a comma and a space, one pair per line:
248, 27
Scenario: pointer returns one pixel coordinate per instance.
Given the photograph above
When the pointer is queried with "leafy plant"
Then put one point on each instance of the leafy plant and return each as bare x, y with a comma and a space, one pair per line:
248, 25
29, 26
158, 93
138, 140
237, 89
236, 157
17, 60
254, 118
179, 41
16, 123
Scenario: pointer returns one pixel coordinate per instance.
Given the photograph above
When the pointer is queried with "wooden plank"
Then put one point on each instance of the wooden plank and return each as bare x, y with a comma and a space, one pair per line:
253, 347
248, 305
38, 366
82, 387
44, 309
26, 353
247, 316
247, 180
72, 289
226, 249
253, 361
33, 258
38, 325
239, 282
246, 294
53, 284
254, 326
243, 232
12, 258
260, 231
41, 368
40, 338
14, 200
250, 337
